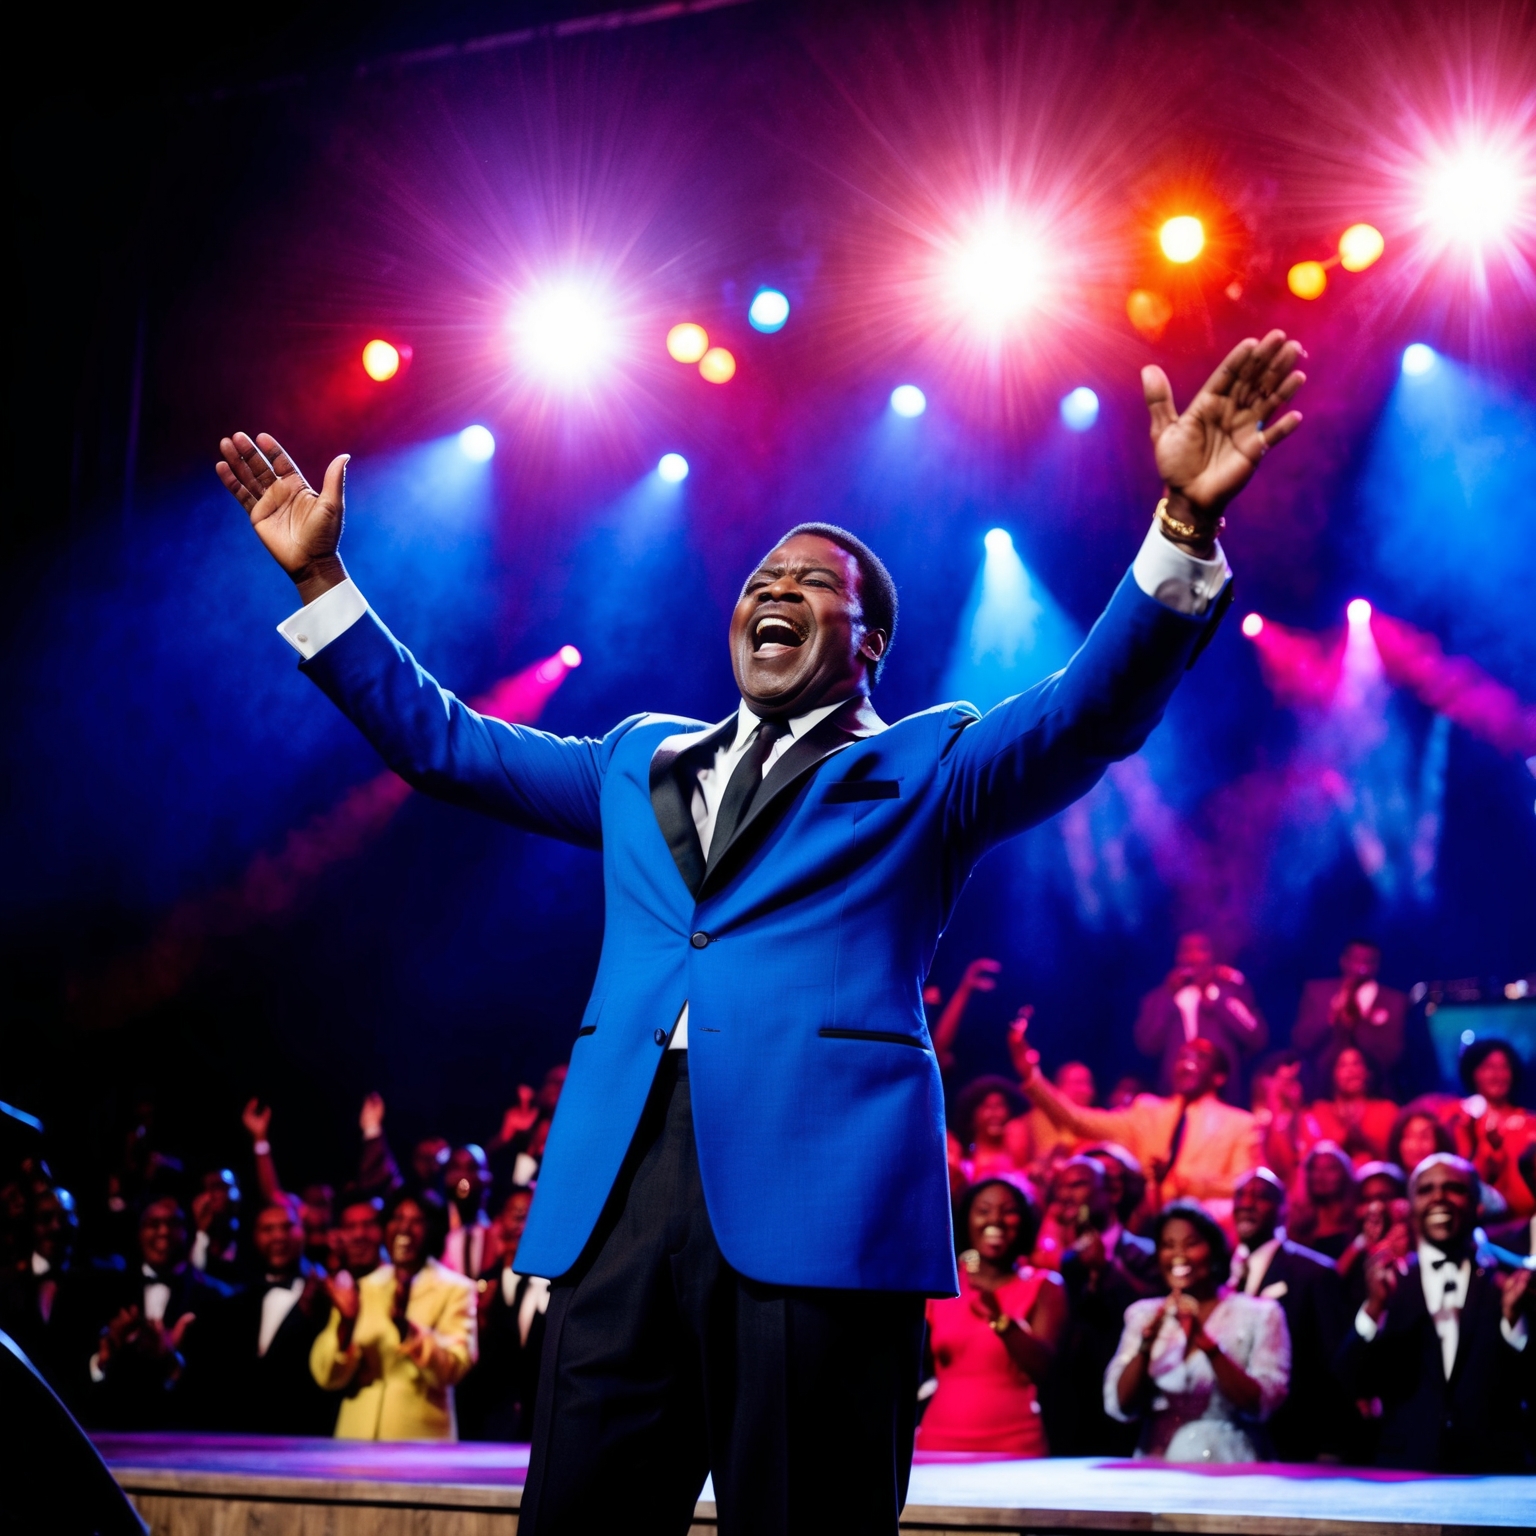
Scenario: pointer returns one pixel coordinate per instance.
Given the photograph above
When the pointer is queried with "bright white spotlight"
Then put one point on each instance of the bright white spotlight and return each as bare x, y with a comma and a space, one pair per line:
1473, 196
998, 541
673, 468
569, 656
1358, 612
476, 443
908, 400
1418, 359
563, 334
997, 276
1253, 625
1080, 408
769, 311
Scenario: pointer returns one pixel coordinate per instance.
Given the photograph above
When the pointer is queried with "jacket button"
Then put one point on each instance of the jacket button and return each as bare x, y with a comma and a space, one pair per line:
660, 1037
700, 940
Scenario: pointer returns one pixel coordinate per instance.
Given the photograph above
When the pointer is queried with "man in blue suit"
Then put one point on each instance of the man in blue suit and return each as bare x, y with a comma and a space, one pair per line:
744, 1199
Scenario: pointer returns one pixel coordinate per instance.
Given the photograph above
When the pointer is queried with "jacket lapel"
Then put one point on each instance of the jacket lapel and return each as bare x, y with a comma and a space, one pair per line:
853, 722
672, 796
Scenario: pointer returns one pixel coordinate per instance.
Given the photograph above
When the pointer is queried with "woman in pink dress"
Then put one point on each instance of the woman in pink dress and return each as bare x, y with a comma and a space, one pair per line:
993, 1343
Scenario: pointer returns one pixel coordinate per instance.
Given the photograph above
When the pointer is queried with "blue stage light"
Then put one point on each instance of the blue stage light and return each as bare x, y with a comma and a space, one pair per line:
1418, 359
998, 541
1080, 408
769, 311
673, 468
908, 400
476, 443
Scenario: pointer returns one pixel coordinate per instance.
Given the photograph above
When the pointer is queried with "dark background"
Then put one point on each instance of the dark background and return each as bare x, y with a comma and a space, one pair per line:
210, 219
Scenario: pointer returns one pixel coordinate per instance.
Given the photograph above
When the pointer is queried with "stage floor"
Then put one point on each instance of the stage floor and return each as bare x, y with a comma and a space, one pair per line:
188, 1484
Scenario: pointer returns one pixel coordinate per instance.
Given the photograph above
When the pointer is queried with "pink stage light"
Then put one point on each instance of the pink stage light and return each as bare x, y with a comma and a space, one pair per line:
1358, 612
569, 655
1253, 625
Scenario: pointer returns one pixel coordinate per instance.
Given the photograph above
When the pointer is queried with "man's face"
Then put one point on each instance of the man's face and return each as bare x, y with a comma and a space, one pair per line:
1076, 1083
797, 635
162, 1234
53, 1227
512, 1219
362, 1235
1376, 1193
465, 1178
1441, 1199
1359, 962
1255, 1211
1195, 953
278, 1238
1326, 1178
1114, 1179
217, 1200
405, 1237
1195, 1071
427, 1161
1350, 1074
1076, 1196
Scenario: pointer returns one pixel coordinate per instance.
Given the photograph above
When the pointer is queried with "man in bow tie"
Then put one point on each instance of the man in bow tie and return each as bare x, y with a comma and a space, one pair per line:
744, 1196
1443, 1341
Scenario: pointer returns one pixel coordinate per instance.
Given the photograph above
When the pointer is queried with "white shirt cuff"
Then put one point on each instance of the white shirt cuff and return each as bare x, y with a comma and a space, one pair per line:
1366, 1325
98, 1371
1174, 577
1516, 1334
333, 613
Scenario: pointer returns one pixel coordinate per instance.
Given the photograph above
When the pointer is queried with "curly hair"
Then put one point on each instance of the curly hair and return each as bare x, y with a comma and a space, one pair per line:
1029, 1216
1203, 1223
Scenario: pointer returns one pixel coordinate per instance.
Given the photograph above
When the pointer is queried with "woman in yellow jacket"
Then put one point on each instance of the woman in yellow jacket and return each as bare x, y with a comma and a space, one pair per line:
398, 1339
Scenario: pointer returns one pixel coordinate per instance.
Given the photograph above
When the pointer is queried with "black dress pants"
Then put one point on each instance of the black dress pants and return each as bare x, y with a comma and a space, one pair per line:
662, 1364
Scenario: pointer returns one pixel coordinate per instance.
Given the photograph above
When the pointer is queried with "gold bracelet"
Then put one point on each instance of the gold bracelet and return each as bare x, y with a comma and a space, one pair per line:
1000, 1325
1179, 530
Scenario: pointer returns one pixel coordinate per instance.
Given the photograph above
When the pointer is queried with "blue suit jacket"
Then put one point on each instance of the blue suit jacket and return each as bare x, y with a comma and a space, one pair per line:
801, 948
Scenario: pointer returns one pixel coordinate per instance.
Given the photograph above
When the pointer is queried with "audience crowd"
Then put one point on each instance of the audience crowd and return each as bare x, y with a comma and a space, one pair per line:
1250, 1257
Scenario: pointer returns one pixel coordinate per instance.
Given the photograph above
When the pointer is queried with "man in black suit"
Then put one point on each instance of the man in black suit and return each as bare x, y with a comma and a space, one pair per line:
1099, 1289
1443, 1341
272, 1324
1125, 1187
1309, 1424
1352, 1008
161, 1359
495, 1401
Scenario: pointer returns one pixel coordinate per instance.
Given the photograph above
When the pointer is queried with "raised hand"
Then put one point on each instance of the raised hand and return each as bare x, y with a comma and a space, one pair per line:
342, 1289
981, 976
300, 526
1026, 1061
1208, 453
257, 1121
370, 1119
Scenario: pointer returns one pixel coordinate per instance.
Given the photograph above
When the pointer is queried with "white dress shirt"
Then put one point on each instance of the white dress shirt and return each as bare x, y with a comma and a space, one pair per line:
1257, 1263
1445, 1293
1161, 569
535, 1299
276, 1303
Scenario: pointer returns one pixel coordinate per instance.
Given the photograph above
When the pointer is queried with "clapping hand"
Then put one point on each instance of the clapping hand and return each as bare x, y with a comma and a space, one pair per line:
1026, 1062
1208, 453
345, 1297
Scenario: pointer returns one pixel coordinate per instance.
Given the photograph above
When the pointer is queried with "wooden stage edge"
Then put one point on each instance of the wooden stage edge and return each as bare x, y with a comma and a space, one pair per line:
205, 1486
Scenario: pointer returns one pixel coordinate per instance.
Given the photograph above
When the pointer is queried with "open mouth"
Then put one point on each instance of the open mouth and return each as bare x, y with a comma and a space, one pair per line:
992, 1234
774, 635
1179, 1270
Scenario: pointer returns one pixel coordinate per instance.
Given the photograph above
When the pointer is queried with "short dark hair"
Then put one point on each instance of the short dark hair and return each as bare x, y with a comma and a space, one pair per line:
431, 1207
877, 592
1203, 1223
1479, 1051
1029, 1216
1133, 1178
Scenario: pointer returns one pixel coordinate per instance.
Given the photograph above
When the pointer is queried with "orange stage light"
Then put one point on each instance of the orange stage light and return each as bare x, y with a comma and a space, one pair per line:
1307, 279
381, 361
1182, 238
1359, 246
687, 342
1149, 312
717, 365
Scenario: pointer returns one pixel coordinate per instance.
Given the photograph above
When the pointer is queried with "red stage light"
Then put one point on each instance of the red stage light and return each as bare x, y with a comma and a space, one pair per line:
381, 361
1253, 625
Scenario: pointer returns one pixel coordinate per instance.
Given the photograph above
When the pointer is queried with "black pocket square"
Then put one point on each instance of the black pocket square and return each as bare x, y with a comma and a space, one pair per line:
845, 791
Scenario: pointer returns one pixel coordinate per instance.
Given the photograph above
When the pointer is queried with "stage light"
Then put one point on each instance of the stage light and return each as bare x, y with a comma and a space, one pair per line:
673, 468
563, 334
476, 443
717, 365
1182, 239
569, 656
687, 342
381, 361
769, 311
1149, 312
1253, 625
1418, 359
1080, 408
996, 276
1307, 279
998, 541
1358, 612
1472, 196
1359, 246
908, 400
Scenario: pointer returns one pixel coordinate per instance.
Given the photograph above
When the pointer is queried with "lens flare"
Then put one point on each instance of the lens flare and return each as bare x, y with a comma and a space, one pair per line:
1080, 408
1307, 279
1182, 238
673, 468
769, 311
687, 343
1360, 246
1418, 359
717, 365
1149, 312
997, 276
563, 334
381, 361
1358, 612
908, 400
1472, 196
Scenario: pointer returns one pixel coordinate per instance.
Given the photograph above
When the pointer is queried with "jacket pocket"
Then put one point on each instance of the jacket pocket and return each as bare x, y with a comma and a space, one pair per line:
848, 791
885, 1037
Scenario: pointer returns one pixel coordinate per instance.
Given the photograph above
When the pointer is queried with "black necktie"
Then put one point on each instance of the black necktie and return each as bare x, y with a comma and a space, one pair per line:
745, 782
1177, 1144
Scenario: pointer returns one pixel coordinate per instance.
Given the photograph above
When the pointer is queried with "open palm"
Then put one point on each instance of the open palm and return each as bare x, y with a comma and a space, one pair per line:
1210, 451
299, 525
